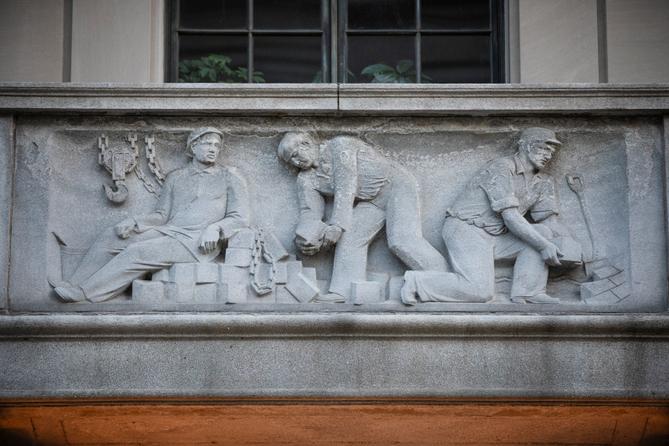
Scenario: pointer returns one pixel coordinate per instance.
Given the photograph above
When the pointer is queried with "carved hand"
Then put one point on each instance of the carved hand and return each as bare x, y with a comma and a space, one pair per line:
331, 236
209, 239
551, 254
124, 228
308, 247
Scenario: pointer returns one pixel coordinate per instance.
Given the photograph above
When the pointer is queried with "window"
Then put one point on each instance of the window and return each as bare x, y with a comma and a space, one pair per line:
393, 41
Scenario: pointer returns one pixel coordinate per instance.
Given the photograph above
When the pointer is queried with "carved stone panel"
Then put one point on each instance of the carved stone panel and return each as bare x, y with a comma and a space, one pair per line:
338, 214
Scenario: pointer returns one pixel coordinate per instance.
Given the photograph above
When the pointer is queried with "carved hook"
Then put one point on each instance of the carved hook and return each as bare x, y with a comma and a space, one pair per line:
117, 193
118, 161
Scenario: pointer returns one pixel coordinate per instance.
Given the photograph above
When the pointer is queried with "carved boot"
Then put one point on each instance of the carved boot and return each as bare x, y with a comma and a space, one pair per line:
540, 298
330, 298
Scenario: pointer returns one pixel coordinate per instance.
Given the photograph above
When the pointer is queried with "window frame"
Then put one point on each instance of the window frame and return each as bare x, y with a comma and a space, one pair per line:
175, 31
334, 39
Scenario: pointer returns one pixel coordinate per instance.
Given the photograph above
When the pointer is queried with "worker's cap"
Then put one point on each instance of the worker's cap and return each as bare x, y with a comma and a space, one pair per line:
539, 134
197, 133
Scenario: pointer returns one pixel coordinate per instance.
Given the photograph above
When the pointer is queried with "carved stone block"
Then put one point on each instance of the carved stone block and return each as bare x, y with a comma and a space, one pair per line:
281, 273
206, 273
367, 293
283, 296
244, 238
302, 287
205, 293
162, 275
148, 291
240, 257
234, 281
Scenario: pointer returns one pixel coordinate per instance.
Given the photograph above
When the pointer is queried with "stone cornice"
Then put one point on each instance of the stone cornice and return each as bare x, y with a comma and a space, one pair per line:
189, 325
333, 99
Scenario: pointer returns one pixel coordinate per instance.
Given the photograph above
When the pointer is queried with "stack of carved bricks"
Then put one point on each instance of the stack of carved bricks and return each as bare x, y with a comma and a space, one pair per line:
205, 283
227, 282
194, 283
608, 286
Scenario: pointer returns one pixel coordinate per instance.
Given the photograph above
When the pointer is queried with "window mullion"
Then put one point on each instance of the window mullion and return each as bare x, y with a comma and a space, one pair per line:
250, 67
343, 40
417, 59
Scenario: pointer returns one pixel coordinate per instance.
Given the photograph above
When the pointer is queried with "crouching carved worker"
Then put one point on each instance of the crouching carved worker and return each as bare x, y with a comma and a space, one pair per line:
488, 222
368, 191
200, 206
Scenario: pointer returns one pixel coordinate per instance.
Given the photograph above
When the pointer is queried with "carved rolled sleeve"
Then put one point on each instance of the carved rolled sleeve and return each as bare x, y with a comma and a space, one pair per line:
498, 186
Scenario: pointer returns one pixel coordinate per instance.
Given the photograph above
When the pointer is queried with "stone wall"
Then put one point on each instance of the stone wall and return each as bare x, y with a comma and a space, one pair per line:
175, 333
124, 41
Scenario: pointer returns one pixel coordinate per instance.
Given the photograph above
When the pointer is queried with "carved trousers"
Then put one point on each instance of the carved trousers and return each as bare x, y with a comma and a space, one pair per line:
471, 254
112, 263
398, 208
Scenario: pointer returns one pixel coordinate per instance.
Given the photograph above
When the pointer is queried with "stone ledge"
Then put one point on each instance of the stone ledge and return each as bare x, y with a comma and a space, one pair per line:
483, 99
187, 325
191, 99
330, 99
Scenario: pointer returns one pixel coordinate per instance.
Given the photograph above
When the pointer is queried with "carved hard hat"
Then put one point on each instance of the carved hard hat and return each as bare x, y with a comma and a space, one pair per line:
539, 134
195, 134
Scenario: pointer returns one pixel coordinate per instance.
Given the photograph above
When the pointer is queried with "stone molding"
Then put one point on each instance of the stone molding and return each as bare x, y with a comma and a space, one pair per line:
185, 325
434, 99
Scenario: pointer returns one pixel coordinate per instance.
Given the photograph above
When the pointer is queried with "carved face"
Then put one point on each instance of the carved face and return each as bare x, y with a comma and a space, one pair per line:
300, 151
540, 153
206, 148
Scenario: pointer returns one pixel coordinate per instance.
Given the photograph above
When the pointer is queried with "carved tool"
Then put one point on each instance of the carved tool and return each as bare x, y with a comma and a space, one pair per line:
577, 185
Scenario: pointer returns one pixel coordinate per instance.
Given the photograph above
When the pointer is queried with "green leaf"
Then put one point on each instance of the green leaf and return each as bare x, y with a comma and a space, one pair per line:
385, 78
371, 70
404, 65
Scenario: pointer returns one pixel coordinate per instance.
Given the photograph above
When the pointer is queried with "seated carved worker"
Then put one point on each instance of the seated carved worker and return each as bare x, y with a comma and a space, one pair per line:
200, 206
487, 223
369, 192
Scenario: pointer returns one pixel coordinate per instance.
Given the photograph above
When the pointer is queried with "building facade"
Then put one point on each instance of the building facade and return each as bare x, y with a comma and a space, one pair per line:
334, 262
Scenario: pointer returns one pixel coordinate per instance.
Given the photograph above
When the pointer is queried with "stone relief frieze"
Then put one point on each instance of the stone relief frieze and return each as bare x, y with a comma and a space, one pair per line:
507, 211
338, 220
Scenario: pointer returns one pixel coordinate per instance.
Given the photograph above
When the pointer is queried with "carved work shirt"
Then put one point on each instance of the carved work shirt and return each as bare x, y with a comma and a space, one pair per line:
348, 170
502, 184
194, 198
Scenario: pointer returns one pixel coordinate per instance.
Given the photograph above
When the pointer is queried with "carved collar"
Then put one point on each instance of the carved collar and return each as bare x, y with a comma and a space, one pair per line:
197, 170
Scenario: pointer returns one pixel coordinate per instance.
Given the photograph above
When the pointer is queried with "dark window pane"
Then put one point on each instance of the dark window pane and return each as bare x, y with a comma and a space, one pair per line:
456, 59
370, 53
381, 14
212, 14
455, 14
288, 58
280, 14
192, 68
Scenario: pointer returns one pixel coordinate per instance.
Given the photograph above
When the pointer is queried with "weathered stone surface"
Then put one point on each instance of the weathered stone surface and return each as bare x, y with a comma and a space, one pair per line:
6, 181
243, 343
300, 99
354, 355
616, 157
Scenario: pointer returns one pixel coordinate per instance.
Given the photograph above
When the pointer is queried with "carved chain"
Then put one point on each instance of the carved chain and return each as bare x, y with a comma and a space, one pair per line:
154, 165
260, 253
